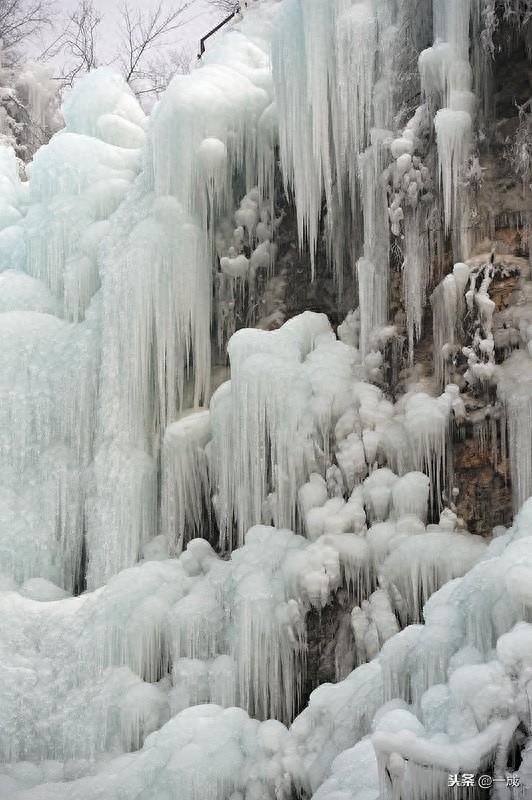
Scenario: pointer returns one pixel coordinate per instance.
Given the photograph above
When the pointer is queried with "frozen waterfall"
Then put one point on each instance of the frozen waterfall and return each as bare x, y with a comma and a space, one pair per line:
266, 418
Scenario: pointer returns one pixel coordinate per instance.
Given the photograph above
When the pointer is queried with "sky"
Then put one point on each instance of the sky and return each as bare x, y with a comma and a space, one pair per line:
200, 18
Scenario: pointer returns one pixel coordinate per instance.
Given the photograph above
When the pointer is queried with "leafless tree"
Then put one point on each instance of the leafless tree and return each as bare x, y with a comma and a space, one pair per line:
143, 32
28, 108
79, 40
160, 69
227, 6
22, 19
142, 52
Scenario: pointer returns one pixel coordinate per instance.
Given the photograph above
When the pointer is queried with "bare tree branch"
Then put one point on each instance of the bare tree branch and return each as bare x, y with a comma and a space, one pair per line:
79, 40
142, 31
22, 19
160, 70
226, 6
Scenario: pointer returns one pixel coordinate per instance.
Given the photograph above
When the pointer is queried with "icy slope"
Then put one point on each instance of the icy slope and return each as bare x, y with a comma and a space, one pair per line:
456, 684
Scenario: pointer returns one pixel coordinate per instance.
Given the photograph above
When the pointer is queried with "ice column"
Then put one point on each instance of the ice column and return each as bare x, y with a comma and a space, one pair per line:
185, 479
373, 269
161, 257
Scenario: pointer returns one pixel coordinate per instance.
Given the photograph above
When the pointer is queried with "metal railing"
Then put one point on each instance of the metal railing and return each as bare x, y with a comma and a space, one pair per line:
216, 29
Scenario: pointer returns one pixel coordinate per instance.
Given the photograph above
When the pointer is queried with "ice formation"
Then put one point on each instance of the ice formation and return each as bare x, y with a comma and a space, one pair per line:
450, 683
197, 485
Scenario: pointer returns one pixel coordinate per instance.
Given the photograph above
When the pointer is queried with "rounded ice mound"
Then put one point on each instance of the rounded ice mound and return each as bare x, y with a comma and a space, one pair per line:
514, 649
114, 129
102, 105
203, 752
42, 590
236, 267
354, 775
519, 584
212, 155
401, 146
20, 292
397, 720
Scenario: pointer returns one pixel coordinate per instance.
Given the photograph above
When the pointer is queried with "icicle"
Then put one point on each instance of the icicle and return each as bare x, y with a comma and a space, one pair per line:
416, 266
373, 297
514, 389
279, 394
321, 80
185, 480
427, 421
357, 45
372, 270
444, 321
453, 131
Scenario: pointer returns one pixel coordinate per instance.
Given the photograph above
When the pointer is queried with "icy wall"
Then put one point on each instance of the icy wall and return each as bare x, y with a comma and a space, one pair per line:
213, 498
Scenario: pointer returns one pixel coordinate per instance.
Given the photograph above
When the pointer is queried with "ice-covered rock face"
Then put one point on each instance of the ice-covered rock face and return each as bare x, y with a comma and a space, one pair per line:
463, 701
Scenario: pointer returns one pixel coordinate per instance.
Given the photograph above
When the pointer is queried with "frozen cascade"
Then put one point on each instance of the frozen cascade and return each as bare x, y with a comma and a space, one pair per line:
433, 668
373, 269
453, 131
328, 725
169, 552
156, 359
76, 183
299, 384
332, 72
47, 382
447, 302
178, 615
256, 408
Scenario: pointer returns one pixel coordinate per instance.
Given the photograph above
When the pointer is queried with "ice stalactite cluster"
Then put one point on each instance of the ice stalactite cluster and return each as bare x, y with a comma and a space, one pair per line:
343, 173
449, 692
494, 349
168, 634
244, 252
299, 402
447, 84
512, 335
321, 82
160, 254
448, 304
373, 267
